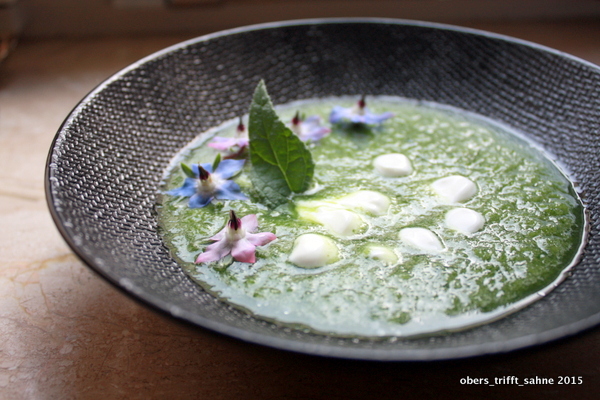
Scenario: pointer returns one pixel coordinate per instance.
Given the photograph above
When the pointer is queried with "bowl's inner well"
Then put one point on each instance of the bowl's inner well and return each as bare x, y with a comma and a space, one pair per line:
384, 254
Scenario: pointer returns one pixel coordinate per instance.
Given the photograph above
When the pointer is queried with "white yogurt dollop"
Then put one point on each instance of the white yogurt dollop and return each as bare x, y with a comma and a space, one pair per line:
393, 165
337, 221
367, 200
464, 220
313, 251
455, 188
422, 239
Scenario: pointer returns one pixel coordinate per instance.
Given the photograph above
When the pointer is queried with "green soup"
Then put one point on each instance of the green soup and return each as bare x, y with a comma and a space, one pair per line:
533, 227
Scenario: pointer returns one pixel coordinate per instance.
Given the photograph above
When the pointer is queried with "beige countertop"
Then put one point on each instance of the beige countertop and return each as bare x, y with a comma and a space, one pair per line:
65, 333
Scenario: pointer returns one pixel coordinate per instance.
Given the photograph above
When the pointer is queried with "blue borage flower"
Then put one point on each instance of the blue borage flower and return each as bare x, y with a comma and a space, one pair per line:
309, 129
358, 114
207, 185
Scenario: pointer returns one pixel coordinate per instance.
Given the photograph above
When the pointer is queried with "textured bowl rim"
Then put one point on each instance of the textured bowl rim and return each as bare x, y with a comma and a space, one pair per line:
401, 354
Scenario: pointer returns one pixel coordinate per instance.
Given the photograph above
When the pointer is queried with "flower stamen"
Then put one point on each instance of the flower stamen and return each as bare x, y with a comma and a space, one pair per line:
203, 174
234, 222
240, 128
362, 103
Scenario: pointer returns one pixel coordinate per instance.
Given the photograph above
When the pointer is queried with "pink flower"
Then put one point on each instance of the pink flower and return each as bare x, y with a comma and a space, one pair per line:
236, 239
225, 143
235, 147
309, 129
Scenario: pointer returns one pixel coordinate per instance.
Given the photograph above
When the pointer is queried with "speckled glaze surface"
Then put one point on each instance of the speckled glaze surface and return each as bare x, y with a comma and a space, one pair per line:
107, 159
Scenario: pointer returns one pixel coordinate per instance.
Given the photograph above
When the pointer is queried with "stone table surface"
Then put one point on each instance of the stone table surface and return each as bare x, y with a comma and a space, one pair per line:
67, 334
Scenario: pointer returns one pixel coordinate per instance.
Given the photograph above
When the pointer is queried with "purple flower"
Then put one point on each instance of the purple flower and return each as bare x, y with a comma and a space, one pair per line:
309, 129
207, 185
235, 145
236, 238
359, 114
226, 143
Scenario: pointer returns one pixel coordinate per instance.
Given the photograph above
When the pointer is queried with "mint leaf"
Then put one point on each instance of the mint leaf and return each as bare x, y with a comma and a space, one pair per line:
281, 163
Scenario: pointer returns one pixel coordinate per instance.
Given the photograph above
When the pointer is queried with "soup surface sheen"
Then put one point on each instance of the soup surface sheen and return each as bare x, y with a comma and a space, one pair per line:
532, 231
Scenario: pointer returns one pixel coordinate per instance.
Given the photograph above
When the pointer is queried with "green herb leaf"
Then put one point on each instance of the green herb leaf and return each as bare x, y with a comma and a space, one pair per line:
281, 163
216, 163
187, 170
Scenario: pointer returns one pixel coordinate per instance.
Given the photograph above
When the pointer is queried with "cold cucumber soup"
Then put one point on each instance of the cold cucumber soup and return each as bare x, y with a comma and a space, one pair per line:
429, 220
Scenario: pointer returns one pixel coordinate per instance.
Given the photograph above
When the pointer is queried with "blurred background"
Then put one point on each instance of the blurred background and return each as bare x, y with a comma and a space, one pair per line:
84, 18
52, 19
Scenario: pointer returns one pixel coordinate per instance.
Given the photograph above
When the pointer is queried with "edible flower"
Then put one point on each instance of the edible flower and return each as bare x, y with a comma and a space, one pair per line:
359, 114
309, 129
235, 146
206, 182
236, 238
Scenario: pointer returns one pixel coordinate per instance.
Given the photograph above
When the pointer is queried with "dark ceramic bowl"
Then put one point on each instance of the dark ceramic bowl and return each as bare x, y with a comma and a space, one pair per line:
110, 154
